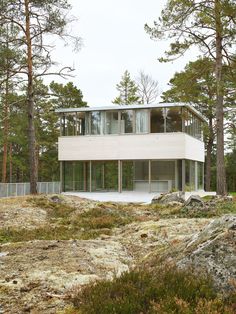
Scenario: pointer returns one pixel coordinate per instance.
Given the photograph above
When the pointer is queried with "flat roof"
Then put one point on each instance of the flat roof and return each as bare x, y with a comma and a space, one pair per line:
126, 107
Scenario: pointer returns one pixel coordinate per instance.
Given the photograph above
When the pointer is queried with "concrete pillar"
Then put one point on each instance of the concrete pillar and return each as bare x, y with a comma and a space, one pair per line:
119, 176
196, 176
183, 176
150, 175
90, 176
176, 174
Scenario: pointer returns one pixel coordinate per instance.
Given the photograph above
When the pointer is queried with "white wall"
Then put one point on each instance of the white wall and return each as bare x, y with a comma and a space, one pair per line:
131, 147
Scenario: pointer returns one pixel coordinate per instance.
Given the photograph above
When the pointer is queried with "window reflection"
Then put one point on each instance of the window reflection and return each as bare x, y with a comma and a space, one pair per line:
173, 119
126, 123
157, 120
111, 122
169, 119
96, 122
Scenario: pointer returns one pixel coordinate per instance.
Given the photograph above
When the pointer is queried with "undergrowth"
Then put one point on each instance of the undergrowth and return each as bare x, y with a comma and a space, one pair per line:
164, 290
65, 223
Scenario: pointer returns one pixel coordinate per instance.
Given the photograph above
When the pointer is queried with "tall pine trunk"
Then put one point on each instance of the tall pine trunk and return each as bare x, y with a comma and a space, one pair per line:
208, 156
5, 117
221, 177
5, 131
30, 105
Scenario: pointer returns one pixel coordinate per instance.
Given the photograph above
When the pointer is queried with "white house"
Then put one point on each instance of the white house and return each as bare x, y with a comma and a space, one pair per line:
152, 148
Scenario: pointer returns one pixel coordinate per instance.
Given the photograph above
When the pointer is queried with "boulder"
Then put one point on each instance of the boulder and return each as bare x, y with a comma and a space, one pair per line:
194, 201
213, 250
168, 198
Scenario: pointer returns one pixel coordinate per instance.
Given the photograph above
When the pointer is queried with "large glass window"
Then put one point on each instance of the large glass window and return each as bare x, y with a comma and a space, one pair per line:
162, 175
104, 176
76, 176
174, 119
96, 122
158, 120
200, 168
127, 175
189, 175
141, 176
141, 121
80, 123
126, 123
111, 122
70, 124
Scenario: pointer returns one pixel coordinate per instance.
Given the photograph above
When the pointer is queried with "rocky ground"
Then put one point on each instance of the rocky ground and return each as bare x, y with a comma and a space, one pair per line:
53, 245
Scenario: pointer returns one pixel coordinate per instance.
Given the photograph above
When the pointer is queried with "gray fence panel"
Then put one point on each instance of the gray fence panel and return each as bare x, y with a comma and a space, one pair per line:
21, 189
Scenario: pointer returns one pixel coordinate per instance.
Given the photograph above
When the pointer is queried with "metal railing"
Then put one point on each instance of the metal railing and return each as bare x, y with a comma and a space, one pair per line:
21, 189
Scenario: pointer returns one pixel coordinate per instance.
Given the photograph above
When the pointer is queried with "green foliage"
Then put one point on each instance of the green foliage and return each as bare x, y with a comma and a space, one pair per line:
162, 290
189, 23
127, 91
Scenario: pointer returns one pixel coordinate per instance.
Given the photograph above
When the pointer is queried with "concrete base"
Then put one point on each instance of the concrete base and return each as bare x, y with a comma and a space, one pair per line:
130, 197
200, 193
124, 197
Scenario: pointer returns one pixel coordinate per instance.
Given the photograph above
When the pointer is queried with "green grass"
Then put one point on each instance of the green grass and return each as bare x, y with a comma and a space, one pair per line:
163, 290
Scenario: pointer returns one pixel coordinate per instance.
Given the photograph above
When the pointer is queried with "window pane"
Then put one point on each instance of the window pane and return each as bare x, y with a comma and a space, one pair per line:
200, 175
70, 124
157, 120
80, 123
173, 120
104, 176
126, 121
111, 122
96, 122
142, 121
189, 175
141, 178
127, 175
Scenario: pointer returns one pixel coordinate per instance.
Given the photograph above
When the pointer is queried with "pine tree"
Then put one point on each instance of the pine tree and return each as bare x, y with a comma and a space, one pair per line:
127, 91
210, 26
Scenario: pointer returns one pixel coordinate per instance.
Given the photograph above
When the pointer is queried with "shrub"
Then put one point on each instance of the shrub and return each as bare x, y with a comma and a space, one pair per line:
165, 290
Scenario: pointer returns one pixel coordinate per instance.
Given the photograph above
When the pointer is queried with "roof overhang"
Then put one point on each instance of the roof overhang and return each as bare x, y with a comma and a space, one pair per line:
138, 106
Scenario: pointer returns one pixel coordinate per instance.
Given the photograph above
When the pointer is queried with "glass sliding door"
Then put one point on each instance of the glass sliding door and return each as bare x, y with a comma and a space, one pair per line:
104, 176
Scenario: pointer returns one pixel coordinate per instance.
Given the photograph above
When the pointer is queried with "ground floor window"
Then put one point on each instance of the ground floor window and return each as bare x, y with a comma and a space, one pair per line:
133, 175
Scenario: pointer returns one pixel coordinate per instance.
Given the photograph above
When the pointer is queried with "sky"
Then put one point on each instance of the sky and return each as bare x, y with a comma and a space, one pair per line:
114, 40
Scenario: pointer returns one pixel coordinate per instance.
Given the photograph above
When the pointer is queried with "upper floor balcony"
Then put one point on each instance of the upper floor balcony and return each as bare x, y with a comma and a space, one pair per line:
132, 119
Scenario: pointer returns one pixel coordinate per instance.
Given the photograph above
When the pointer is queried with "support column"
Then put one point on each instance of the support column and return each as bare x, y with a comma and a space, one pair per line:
62, 177
176, 175
196, 176
119, 176
73, 175
85, 176
183, 176
90, 176
150, 175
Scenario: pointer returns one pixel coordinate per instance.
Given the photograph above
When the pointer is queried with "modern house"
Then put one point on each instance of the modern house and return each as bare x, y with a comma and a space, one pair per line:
152, 148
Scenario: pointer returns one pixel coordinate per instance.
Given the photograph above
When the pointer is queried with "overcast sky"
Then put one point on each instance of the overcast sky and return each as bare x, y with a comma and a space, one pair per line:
114, 40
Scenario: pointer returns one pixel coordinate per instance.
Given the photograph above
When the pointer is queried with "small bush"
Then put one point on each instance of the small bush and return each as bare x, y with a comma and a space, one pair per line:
165, 290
